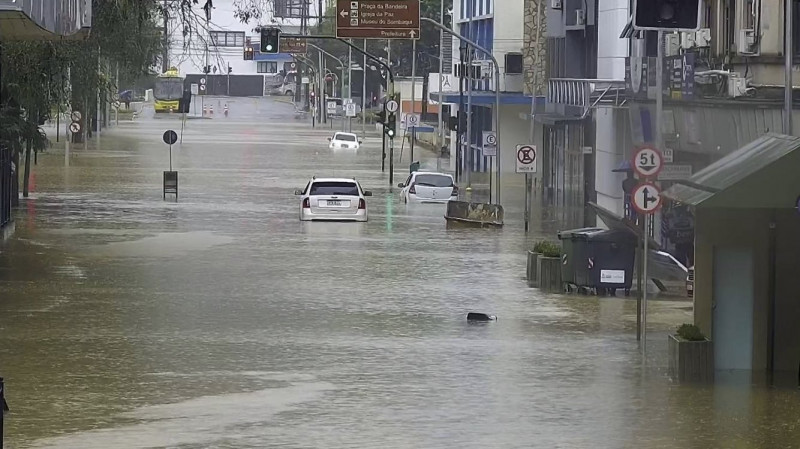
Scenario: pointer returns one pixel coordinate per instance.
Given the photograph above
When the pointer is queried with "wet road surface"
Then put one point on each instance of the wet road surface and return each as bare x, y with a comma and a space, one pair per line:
221, 321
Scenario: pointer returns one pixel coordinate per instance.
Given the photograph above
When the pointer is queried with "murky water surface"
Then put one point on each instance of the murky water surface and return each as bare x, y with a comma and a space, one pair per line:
221, 321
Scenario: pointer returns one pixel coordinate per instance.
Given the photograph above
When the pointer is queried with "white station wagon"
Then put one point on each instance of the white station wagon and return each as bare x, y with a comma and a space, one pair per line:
333, 199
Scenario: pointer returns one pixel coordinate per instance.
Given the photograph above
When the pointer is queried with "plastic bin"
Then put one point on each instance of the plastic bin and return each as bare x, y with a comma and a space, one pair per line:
572, 251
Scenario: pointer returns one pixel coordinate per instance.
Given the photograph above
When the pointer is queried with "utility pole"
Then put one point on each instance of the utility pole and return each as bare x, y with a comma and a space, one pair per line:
364, 95
165, 55
441, 75
788, 55
413, 94
461, 112
534, 92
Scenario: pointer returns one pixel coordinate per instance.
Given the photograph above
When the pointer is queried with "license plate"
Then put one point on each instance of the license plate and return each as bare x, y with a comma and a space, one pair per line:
334, 203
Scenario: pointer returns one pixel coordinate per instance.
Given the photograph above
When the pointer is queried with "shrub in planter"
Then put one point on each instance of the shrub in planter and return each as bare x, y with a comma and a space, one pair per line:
690, 332
551, 249
691, 355
538, 246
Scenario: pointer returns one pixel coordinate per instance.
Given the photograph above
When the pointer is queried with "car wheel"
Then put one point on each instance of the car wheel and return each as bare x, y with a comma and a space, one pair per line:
289, 93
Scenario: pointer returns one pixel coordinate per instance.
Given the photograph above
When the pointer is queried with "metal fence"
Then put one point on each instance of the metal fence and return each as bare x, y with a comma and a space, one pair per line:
6, 186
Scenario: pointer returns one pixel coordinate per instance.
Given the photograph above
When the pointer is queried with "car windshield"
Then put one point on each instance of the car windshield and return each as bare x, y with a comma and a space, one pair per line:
434, 181
168, 89
334, 188
345, 137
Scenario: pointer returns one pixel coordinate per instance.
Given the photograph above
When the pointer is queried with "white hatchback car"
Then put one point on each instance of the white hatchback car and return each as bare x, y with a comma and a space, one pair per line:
344, 141
428, 187
333, 199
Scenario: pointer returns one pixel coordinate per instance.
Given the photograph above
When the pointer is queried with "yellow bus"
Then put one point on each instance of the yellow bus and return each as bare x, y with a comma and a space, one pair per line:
168, 91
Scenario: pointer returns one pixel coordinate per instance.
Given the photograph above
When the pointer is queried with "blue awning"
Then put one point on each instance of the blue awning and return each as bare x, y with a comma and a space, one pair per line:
487, 98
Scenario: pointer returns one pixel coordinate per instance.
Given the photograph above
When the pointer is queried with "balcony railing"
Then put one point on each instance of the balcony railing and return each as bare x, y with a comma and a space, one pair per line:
586, 94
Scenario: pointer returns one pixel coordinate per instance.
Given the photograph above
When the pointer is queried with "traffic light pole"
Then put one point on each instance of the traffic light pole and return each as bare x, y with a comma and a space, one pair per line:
496, 90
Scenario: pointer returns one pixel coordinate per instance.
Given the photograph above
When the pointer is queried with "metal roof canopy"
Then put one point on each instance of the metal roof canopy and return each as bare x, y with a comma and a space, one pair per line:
761, 175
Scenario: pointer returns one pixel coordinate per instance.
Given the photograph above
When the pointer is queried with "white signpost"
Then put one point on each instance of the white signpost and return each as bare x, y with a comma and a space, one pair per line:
526, 159
646, 198
412, 120
195, 88
350, 109
331, 108
489, 143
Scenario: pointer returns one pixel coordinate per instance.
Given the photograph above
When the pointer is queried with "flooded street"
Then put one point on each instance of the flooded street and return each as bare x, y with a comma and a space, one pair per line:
222, 321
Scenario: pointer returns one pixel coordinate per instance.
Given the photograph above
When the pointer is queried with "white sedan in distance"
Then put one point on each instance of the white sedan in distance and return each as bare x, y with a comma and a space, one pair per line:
428, 187
344, 141
333, 199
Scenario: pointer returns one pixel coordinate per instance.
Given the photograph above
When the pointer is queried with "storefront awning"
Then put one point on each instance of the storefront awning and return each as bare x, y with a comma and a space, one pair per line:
761, 174
487, 98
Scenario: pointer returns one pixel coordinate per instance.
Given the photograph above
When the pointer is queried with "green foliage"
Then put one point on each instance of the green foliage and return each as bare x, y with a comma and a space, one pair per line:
547, 248
690, 332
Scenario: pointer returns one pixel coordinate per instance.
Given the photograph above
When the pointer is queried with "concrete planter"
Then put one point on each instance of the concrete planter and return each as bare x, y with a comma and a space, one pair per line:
549, 274
691, 361
532, 269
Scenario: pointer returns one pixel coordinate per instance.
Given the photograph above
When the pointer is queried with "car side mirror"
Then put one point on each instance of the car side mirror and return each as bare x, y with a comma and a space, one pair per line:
329, 139
298, 192
360, 142
367, 193
401, 185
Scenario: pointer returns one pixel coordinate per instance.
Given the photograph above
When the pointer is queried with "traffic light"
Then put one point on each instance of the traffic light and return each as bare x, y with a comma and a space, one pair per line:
248, 53
206, 69
667, 15
230, 69
270, 40
382, 117
390, 127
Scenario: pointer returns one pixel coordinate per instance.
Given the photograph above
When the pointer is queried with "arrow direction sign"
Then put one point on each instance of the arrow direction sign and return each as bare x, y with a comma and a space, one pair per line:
646, 198
378, 19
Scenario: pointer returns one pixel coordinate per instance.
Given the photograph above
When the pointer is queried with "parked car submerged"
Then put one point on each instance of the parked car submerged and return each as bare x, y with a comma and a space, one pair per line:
344, 141
428, 187
333, 199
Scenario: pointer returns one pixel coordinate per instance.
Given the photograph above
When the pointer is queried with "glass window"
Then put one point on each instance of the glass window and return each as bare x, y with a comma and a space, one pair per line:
267, 67
434, 180
345, 137
334, 188
227, 38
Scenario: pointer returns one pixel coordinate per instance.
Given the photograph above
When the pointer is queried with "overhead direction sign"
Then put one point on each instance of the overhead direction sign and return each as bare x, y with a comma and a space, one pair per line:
293, 45
526, 158
648, 162
646, 198
377, 19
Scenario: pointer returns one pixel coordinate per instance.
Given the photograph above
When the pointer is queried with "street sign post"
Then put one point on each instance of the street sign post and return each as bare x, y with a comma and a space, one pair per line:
195, 88
76, 116
646, 199
350, 109
526, 159
331, 107
170, 177
381, 19
412, 121
489, 143
648, 162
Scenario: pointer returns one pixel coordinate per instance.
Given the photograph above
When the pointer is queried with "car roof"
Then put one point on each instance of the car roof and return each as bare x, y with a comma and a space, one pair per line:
339, 133
423, 172
334, 180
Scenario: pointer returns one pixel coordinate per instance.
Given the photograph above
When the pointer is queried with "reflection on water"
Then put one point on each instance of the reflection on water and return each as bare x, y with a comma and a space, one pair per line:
223, 321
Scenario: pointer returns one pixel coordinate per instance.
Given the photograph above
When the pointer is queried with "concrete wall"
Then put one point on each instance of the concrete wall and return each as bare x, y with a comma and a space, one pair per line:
749, 229
508, 33
611, 139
